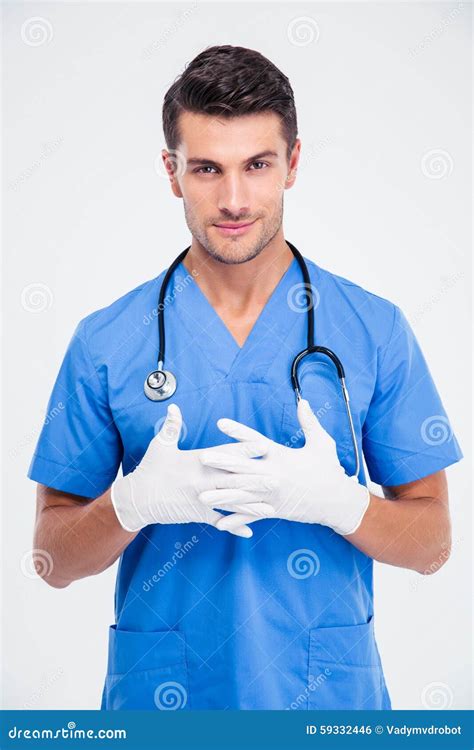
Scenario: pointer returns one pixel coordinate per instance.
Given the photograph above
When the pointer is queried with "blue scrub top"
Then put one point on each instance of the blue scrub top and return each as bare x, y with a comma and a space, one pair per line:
204, 619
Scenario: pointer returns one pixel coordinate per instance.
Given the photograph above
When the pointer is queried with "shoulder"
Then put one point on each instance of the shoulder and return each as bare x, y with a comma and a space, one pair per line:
354, 305
120, 318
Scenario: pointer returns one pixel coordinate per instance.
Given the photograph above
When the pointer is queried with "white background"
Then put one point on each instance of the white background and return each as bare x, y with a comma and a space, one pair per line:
87, 218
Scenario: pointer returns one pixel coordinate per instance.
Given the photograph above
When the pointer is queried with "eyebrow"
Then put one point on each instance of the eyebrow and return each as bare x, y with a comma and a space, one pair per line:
202, 160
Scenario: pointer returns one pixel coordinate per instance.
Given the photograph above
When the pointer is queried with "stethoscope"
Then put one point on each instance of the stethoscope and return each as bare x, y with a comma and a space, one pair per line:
161, 384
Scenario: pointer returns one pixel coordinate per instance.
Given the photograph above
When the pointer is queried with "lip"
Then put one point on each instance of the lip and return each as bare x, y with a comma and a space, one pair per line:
234, 229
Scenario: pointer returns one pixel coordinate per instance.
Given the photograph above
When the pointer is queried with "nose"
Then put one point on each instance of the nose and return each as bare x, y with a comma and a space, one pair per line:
233, 199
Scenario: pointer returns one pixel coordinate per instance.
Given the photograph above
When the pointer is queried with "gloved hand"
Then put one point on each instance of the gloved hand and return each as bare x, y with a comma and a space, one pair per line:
309, 483
164, 487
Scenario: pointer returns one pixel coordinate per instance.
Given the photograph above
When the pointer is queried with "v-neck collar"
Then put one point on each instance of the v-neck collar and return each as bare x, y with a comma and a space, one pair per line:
213, 337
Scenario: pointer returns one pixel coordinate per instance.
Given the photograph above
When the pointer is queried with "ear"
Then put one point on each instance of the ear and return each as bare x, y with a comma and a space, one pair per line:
174, 165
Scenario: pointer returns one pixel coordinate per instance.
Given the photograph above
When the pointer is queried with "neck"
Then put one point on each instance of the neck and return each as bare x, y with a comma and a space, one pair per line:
239, 285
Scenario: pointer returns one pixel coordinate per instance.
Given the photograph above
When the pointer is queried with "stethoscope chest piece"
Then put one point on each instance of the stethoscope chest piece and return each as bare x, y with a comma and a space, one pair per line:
160, 385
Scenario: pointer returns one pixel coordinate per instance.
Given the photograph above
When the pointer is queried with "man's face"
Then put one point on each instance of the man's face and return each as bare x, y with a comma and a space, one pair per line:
232, 172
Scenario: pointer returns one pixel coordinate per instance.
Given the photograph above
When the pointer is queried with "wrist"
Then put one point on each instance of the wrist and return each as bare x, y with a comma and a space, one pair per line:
121, 498
354, 507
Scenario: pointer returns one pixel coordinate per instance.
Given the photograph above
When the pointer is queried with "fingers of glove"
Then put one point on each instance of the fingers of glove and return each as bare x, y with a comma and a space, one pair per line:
240, 431
251, 449
251, 509
244, 502
261, 483
215, 498
261, 510
235, 520
308, 420
242, 465
210, 516
213, 517
171, 428
313, 430
243, 531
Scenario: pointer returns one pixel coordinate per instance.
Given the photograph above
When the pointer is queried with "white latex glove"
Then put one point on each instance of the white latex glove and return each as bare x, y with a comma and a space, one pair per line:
310, 485
164, 487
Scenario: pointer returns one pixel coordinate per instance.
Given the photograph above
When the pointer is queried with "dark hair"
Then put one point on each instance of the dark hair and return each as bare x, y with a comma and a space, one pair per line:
230, 81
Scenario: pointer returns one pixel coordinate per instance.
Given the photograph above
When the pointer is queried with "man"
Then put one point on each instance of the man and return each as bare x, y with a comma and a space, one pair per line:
245, 576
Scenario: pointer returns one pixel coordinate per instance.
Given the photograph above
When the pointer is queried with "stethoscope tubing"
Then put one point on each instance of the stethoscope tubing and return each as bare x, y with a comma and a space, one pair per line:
161, 393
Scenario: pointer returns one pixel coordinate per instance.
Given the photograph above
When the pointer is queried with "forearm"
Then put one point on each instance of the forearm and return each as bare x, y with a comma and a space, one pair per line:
408, 532
82, 539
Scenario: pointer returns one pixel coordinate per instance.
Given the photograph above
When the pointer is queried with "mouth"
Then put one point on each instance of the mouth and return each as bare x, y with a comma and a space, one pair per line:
231, 229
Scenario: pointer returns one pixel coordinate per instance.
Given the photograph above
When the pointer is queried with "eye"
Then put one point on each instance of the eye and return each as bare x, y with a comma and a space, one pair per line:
199, 169
259, 162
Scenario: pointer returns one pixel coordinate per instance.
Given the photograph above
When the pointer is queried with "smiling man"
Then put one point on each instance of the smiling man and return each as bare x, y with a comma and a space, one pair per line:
246, 551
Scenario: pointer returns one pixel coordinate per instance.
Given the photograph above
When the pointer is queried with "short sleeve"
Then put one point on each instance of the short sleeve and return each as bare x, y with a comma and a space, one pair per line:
79, 449
406, 434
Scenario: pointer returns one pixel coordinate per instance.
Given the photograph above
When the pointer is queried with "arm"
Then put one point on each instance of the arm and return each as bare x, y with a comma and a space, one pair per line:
85, 536
410, 527
82, 536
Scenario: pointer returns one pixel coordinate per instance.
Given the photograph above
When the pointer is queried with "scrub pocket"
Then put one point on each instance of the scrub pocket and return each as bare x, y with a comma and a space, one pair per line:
146, 671
345, 671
